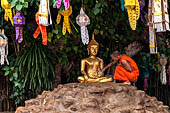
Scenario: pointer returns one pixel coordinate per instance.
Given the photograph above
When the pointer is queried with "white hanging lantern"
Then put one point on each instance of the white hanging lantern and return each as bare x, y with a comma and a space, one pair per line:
163, 62
83, 20
44, 13
3, 47
160, 17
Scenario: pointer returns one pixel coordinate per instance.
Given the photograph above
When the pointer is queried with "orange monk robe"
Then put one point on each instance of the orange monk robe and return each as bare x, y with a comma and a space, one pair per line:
124, 75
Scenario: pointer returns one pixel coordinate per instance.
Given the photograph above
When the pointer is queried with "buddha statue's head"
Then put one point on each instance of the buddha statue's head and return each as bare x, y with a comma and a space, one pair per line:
93, 47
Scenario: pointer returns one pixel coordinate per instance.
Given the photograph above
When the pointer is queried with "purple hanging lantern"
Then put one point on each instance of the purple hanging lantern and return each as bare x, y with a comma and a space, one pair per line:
141, 3
19, 22
142, 12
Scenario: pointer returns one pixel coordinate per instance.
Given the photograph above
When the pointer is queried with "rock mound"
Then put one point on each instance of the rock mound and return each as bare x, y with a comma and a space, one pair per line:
93, 98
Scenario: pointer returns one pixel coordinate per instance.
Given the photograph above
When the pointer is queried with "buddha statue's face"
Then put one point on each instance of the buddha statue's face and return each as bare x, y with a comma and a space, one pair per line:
93, 50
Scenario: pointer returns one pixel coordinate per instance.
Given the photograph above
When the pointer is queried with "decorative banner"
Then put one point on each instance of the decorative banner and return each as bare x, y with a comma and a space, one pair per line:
152, 41
19, 22
41, 29
66, 23
8, 12
66, 3
152, 35
163, 62
160, 17
142, 12
44, 13
83, 20
3, 46
133, 9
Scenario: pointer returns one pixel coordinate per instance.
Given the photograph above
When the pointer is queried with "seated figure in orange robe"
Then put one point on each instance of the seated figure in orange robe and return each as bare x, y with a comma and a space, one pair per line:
126, 71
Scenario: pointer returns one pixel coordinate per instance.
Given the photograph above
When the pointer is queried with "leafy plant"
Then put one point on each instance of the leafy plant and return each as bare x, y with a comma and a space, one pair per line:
32, 71
12, 73
36, 68
19, 4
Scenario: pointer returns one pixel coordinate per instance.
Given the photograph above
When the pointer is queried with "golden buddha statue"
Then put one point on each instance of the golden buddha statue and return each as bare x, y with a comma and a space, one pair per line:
93, 65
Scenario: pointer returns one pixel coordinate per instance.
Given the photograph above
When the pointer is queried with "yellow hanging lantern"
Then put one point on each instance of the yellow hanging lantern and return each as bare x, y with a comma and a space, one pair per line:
8, 12
66, 23
133, 9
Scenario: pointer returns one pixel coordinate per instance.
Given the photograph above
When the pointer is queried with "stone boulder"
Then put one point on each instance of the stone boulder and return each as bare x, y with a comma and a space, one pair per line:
93, 98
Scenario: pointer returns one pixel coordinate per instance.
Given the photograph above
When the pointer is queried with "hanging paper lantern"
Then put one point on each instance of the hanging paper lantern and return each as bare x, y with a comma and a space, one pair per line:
142, 12
83, 20
152, 34
152, 40
66, 23
3, 46
8, 12
163, 62
44, 13
42, 20
158, 15
66, 3
158, 21
19, 22
133, 9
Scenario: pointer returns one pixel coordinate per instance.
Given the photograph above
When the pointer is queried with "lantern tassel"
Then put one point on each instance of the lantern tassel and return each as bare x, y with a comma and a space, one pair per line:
41, 29
8, 12
84, 35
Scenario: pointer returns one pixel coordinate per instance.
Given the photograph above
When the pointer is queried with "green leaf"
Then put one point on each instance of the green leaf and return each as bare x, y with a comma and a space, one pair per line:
101, 32
22, 1
55, 31
10, 78
86, 1
16, 84
97, 5
31, 2
13, 3
105, 4
19, 7
75, 48
96, 31
50, 35
68, 49
54, 3
25, 4
15, 75
6, 68
96, 11
12, 68
6, 73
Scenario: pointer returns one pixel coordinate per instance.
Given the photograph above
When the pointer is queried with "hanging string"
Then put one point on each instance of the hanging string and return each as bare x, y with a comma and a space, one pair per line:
82, 4
74, 25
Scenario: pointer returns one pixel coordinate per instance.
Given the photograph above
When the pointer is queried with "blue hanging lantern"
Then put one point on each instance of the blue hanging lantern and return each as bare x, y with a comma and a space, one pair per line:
19, 22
